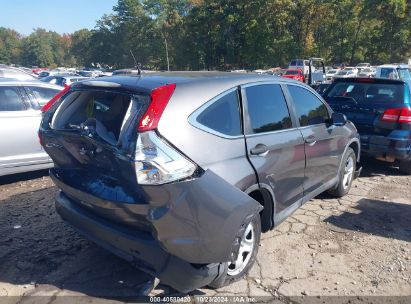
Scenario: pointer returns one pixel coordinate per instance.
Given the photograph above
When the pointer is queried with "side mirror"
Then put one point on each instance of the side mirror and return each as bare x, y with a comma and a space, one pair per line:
338, 119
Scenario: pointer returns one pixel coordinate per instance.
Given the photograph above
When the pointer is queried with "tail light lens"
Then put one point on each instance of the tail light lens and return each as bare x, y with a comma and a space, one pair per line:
156, 162
405, 115
56, 97
402, 115
159, 99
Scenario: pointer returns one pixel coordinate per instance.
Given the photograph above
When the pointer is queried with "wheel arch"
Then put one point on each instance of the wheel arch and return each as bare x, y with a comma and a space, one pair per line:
263, 194
353, 143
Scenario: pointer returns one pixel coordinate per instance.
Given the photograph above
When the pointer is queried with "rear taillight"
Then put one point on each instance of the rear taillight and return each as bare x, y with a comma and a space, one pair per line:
156, 162
402, 115
159, 99
405, 115
56, 97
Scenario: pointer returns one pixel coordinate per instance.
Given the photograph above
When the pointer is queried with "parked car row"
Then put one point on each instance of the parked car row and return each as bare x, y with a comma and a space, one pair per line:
390, 71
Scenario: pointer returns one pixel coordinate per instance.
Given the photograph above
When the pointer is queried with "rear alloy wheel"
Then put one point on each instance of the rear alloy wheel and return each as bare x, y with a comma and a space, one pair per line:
248, 241
346, 174
247, 244
405, 167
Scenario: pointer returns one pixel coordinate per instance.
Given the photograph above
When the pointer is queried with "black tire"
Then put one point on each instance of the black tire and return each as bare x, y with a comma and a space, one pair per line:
226, 275
405, 167
343, 187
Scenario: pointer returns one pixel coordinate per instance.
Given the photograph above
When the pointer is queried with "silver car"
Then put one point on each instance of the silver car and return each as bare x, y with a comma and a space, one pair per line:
15, 73
20, 116
180, 173
63, 80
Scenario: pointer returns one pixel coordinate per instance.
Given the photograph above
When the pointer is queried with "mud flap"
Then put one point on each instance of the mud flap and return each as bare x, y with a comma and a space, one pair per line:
197, 220
357, 172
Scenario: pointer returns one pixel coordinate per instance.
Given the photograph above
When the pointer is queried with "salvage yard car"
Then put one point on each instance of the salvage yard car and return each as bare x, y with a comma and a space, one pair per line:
179, 173
294, 74
381, 111
393, 71
20, 117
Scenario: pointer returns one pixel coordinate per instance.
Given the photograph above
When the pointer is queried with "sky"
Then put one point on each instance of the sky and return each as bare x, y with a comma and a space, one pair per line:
64, 16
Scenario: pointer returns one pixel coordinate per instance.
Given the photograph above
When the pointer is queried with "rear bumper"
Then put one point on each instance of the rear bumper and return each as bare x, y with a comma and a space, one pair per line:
182, 244
387, 146
142, 251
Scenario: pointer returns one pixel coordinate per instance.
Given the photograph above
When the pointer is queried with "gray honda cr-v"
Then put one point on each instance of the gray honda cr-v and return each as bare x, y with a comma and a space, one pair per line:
179, 173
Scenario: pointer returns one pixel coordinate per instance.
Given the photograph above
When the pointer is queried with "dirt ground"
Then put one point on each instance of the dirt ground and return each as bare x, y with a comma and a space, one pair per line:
356, 246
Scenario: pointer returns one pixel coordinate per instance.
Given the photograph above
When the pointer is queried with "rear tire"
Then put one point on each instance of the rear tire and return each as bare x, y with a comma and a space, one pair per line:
248, 238
405, 167
346, 174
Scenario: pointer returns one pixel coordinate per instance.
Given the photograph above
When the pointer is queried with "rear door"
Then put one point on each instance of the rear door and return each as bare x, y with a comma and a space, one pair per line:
324, 143
39, 96
275, 146
19, 124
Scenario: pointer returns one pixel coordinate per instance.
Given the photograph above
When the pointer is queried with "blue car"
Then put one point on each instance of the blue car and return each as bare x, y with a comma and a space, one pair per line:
381, 111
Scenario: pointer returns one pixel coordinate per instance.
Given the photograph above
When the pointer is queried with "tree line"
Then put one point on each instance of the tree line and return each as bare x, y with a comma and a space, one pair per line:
223, 34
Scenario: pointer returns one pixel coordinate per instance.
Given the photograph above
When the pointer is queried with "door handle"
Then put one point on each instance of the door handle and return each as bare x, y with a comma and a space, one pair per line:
260, 150
310, 140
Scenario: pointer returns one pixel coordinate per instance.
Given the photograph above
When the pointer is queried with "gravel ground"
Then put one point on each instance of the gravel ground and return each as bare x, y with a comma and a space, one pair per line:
356, 246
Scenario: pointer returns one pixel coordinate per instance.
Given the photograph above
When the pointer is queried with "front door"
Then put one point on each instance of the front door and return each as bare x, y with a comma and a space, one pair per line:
324, 143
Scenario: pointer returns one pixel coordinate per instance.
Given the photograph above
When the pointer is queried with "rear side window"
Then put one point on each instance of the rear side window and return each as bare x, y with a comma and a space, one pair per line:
369, 92
10, 100
223, 115
43, 95
309, 108
267, 108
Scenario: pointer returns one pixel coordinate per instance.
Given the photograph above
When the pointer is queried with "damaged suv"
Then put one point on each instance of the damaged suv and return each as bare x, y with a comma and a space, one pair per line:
179, 173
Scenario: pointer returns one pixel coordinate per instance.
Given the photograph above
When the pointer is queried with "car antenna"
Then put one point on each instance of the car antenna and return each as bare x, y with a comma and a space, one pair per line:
136, 65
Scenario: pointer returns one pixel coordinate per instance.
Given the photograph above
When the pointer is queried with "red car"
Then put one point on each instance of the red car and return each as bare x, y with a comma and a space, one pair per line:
294, 74
38, 70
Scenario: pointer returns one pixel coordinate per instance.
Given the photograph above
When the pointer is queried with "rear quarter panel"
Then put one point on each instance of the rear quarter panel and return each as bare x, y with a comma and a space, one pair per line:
225, 157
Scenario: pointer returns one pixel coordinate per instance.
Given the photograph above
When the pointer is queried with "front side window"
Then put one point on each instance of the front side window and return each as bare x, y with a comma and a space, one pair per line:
223, 115
309, 108
267, 108
10, 100
404, 74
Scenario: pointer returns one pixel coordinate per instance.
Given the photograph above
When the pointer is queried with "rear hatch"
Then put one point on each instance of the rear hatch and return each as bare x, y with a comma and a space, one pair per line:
89, 136
104, 145
367, 102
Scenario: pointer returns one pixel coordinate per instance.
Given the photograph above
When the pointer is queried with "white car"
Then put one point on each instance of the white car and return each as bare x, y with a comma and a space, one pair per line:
346, 73
300, 64
330, 74
363, 65
20, 116
15, 73
367, 72
393, 71
354, 69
